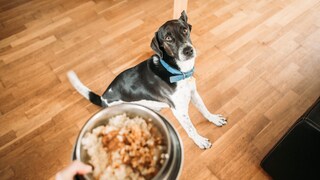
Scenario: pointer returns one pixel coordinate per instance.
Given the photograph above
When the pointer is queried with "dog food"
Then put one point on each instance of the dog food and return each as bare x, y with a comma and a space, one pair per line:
125, 148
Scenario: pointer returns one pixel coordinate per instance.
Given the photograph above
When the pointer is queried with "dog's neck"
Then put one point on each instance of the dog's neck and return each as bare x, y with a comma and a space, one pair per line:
183, 66
186, 66
176, 75
162, 70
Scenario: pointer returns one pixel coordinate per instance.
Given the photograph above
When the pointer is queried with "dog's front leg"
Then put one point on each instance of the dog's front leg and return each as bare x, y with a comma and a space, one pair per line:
184, 119
217, 119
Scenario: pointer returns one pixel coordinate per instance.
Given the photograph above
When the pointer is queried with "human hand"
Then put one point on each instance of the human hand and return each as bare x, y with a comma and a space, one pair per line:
76, 167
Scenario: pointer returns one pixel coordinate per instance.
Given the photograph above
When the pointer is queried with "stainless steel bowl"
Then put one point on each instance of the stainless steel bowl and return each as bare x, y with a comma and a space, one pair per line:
172, 165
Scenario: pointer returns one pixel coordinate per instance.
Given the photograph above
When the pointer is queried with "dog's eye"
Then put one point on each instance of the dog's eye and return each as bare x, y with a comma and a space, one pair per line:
185, 31
168, 38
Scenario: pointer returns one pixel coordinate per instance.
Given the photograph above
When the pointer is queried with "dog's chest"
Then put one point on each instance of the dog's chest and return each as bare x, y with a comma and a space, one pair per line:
182, 96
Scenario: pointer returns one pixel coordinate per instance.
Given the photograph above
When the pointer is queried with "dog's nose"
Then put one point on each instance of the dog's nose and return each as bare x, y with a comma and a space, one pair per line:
188, 51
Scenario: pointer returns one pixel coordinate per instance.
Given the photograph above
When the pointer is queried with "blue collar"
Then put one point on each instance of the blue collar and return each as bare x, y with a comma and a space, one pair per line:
177, 75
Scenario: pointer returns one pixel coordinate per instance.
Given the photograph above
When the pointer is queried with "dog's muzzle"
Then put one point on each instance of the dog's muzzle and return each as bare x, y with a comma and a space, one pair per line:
187, 52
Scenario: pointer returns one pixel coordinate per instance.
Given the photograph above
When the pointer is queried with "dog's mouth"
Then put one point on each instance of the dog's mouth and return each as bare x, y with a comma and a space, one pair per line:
187, 58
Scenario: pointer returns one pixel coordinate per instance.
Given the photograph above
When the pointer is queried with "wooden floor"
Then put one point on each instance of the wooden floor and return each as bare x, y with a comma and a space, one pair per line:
258, 63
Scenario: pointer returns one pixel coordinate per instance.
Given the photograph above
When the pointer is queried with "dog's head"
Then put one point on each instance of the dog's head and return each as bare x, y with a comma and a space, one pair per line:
173, 40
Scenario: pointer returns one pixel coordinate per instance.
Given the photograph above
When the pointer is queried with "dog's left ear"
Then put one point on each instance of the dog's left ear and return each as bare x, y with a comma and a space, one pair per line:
156, 46
184, 18
190, 27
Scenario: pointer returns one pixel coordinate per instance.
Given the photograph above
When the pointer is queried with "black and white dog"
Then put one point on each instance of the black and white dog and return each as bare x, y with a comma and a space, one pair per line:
163, 80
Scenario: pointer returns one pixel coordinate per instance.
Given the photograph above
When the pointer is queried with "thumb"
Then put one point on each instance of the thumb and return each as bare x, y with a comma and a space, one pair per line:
69, 172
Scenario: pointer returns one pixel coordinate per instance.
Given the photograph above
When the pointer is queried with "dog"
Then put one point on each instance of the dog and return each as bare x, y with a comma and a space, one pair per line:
163, 81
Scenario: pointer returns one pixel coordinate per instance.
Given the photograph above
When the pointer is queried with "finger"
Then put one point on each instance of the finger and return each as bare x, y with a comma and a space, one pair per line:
78, 167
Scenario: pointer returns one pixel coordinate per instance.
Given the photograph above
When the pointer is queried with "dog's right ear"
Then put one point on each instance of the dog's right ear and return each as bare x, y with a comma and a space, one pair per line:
156, 46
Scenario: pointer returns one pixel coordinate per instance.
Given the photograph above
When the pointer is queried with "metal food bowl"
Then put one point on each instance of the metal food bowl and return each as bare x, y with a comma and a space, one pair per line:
172, 165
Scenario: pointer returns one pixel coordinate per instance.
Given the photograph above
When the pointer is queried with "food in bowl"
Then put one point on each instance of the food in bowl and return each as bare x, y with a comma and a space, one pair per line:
125, 148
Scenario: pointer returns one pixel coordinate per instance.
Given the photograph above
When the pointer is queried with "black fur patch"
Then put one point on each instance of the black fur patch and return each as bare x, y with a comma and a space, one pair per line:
142, 82
95, 99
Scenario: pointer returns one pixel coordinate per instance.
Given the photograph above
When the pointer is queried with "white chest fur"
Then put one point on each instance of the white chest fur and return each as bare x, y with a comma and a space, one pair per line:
186, 66
182, 95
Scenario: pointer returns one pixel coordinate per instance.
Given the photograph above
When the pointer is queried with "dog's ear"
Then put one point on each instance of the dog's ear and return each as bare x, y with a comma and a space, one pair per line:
190, 27
156, 46
184, 16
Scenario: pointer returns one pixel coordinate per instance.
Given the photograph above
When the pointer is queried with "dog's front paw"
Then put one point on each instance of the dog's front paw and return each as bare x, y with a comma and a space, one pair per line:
202, 142
218, 119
